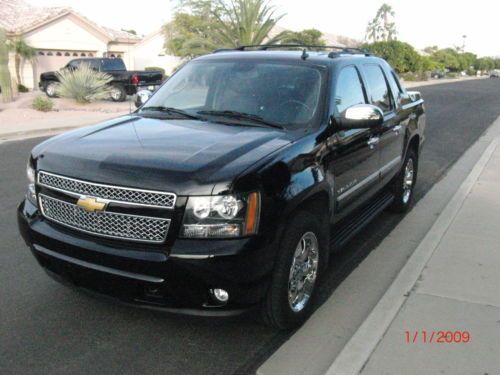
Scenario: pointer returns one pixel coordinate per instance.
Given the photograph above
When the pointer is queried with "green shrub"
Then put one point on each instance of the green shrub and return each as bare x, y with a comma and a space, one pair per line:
42, 103
22, 88
84, 84
401, 56
155, 69
452, 75
471, 72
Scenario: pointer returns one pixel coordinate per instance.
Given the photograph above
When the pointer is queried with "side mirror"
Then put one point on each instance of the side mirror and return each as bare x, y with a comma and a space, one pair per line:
360, 116
141, 97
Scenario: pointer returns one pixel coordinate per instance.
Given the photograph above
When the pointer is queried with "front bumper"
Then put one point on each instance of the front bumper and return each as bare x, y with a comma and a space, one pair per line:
179, 276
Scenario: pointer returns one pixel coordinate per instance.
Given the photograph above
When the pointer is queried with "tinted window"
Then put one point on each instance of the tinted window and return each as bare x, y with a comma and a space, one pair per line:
349, 90
378, 90
113, 64
395, 88
73, 64
288, 94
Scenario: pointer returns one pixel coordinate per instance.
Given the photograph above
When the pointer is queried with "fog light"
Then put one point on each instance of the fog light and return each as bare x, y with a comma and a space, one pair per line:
220, 295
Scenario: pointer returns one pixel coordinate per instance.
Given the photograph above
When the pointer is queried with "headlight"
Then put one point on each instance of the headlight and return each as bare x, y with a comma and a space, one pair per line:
223, 216
31, 194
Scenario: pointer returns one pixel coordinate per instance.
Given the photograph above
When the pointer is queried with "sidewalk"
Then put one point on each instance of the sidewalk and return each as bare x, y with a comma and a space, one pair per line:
450, 284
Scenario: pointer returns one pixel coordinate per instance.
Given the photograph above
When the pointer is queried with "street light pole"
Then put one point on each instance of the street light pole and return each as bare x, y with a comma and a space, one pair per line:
463, 44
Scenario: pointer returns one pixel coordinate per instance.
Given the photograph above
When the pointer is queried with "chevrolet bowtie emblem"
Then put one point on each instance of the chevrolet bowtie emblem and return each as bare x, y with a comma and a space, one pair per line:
90, 204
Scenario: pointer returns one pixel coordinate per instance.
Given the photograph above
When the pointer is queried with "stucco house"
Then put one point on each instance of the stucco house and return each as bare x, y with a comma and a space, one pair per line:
60, 34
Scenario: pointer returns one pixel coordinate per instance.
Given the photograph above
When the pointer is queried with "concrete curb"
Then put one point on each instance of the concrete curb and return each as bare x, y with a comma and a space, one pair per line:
35, 133
359, 348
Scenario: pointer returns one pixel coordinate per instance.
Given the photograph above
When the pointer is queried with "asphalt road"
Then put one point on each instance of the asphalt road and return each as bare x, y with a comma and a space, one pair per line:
48, 329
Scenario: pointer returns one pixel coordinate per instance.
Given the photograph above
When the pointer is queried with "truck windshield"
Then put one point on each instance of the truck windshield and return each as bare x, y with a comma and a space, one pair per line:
278, 93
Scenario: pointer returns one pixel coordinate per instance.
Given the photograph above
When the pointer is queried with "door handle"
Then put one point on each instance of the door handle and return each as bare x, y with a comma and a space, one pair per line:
397, 129
372, 142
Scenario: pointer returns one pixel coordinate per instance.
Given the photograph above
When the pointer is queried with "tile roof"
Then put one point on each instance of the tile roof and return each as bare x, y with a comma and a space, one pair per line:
17, 17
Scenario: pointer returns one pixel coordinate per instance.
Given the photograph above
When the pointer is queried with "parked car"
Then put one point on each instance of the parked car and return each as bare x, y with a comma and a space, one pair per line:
124, 82
230, 186
495, 73
437, 74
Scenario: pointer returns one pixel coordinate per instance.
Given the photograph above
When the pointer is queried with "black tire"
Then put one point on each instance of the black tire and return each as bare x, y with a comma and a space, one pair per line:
118, 93
403, 194
50, 89
277, 311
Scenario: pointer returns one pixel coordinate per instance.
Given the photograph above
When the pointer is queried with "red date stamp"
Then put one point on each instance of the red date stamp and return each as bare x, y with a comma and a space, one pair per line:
437, 337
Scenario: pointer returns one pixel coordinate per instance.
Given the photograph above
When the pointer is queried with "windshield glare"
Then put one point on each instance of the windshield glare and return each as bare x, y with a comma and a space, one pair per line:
280, 93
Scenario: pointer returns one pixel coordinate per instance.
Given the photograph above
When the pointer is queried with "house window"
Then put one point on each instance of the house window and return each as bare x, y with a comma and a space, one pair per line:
40, 53
75, 54
112, 55
50, 54
58, 54
83, 54
90, 55
119, 56
67, 54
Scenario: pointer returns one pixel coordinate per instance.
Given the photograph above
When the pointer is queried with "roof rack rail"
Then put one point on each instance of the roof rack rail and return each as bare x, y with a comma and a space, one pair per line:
265, 47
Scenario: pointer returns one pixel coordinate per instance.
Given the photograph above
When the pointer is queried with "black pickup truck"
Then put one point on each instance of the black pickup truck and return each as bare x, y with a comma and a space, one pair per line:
231, 185
125, 82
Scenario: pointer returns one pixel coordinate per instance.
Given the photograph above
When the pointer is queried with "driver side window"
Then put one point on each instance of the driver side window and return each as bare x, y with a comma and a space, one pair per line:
349, 90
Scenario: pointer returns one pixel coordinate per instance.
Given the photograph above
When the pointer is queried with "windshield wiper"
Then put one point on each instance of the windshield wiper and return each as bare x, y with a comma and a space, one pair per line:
171, 111
242, 116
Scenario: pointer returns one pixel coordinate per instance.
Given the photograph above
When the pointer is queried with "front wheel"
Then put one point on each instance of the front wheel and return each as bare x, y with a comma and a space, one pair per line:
289, 301
50, 89
404, 183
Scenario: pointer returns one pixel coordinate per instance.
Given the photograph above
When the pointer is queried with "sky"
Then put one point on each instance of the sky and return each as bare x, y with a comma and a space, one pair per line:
419, 22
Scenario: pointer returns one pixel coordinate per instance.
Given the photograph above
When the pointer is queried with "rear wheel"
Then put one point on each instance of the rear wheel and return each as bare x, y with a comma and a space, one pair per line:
117, 93
301, 257
50, 89
404, 183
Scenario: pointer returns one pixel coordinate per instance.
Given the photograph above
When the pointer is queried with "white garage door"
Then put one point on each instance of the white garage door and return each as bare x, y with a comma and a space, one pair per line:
48, 60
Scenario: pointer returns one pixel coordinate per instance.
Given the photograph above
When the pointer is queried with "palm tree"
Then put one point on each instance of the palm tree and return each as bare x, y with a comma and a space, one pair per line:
5, 81
372, 31
381, 27
245, 22
389, 28
23, 51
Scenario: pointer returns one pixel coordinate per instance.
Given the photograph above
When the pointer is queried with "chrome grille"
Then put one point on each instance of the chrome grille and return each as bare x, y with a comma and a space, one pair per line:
112, 193
108, 224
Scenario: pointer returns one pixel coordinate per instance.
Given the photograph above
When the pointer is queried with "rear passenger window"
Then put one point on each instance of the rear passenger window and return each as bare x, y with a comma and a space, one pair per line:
395, 88
377, 85
349, 90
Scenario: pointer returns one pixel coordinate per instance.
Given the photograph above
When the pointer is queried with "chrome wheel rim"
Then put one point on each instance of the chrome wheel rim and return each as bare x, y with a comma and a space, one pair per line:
408, 181
50, 89
115, 94
303, 272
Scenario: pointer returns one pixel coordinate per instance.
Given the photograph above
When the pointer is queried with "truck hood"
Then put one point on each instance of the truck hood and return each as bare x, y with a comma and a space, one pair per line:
186, 157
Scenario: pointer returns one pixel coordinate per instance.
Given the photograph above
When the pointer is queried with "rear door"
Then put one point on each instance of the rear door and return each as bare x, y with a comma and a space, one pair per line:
392, 131
354, 157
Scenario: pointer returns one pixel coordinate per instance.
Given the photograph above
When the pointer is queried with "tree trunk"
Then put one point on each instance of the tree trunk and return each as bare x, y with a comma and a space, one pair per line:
17, 63
5, 81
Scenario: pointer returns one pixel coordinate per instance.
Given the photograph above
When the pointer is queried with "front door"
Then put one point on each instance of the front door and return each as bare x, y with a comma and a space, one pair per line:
392, 132
354, 155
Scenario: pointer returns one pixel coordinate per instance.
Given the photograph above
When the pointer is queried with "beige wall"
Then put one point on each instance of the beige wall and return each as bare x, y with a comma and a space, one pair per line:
67, 33
150, 52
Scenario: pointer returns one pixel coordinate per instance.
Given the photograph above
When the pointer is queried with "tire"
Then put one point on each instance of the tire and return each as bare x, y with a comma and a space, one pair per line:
50, 89
118, 93
278, 311
404, 183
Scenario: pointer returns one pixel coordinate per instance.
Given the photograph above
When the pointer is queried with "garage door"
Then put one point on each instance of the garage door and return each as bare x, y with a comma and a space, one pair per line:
50, 60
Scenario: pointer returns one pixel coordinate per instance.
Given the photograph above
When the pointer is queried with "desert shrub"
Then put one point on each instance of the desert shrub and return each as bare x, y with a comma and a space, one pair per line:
415, 76
42, 103
84, 84
22, 88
